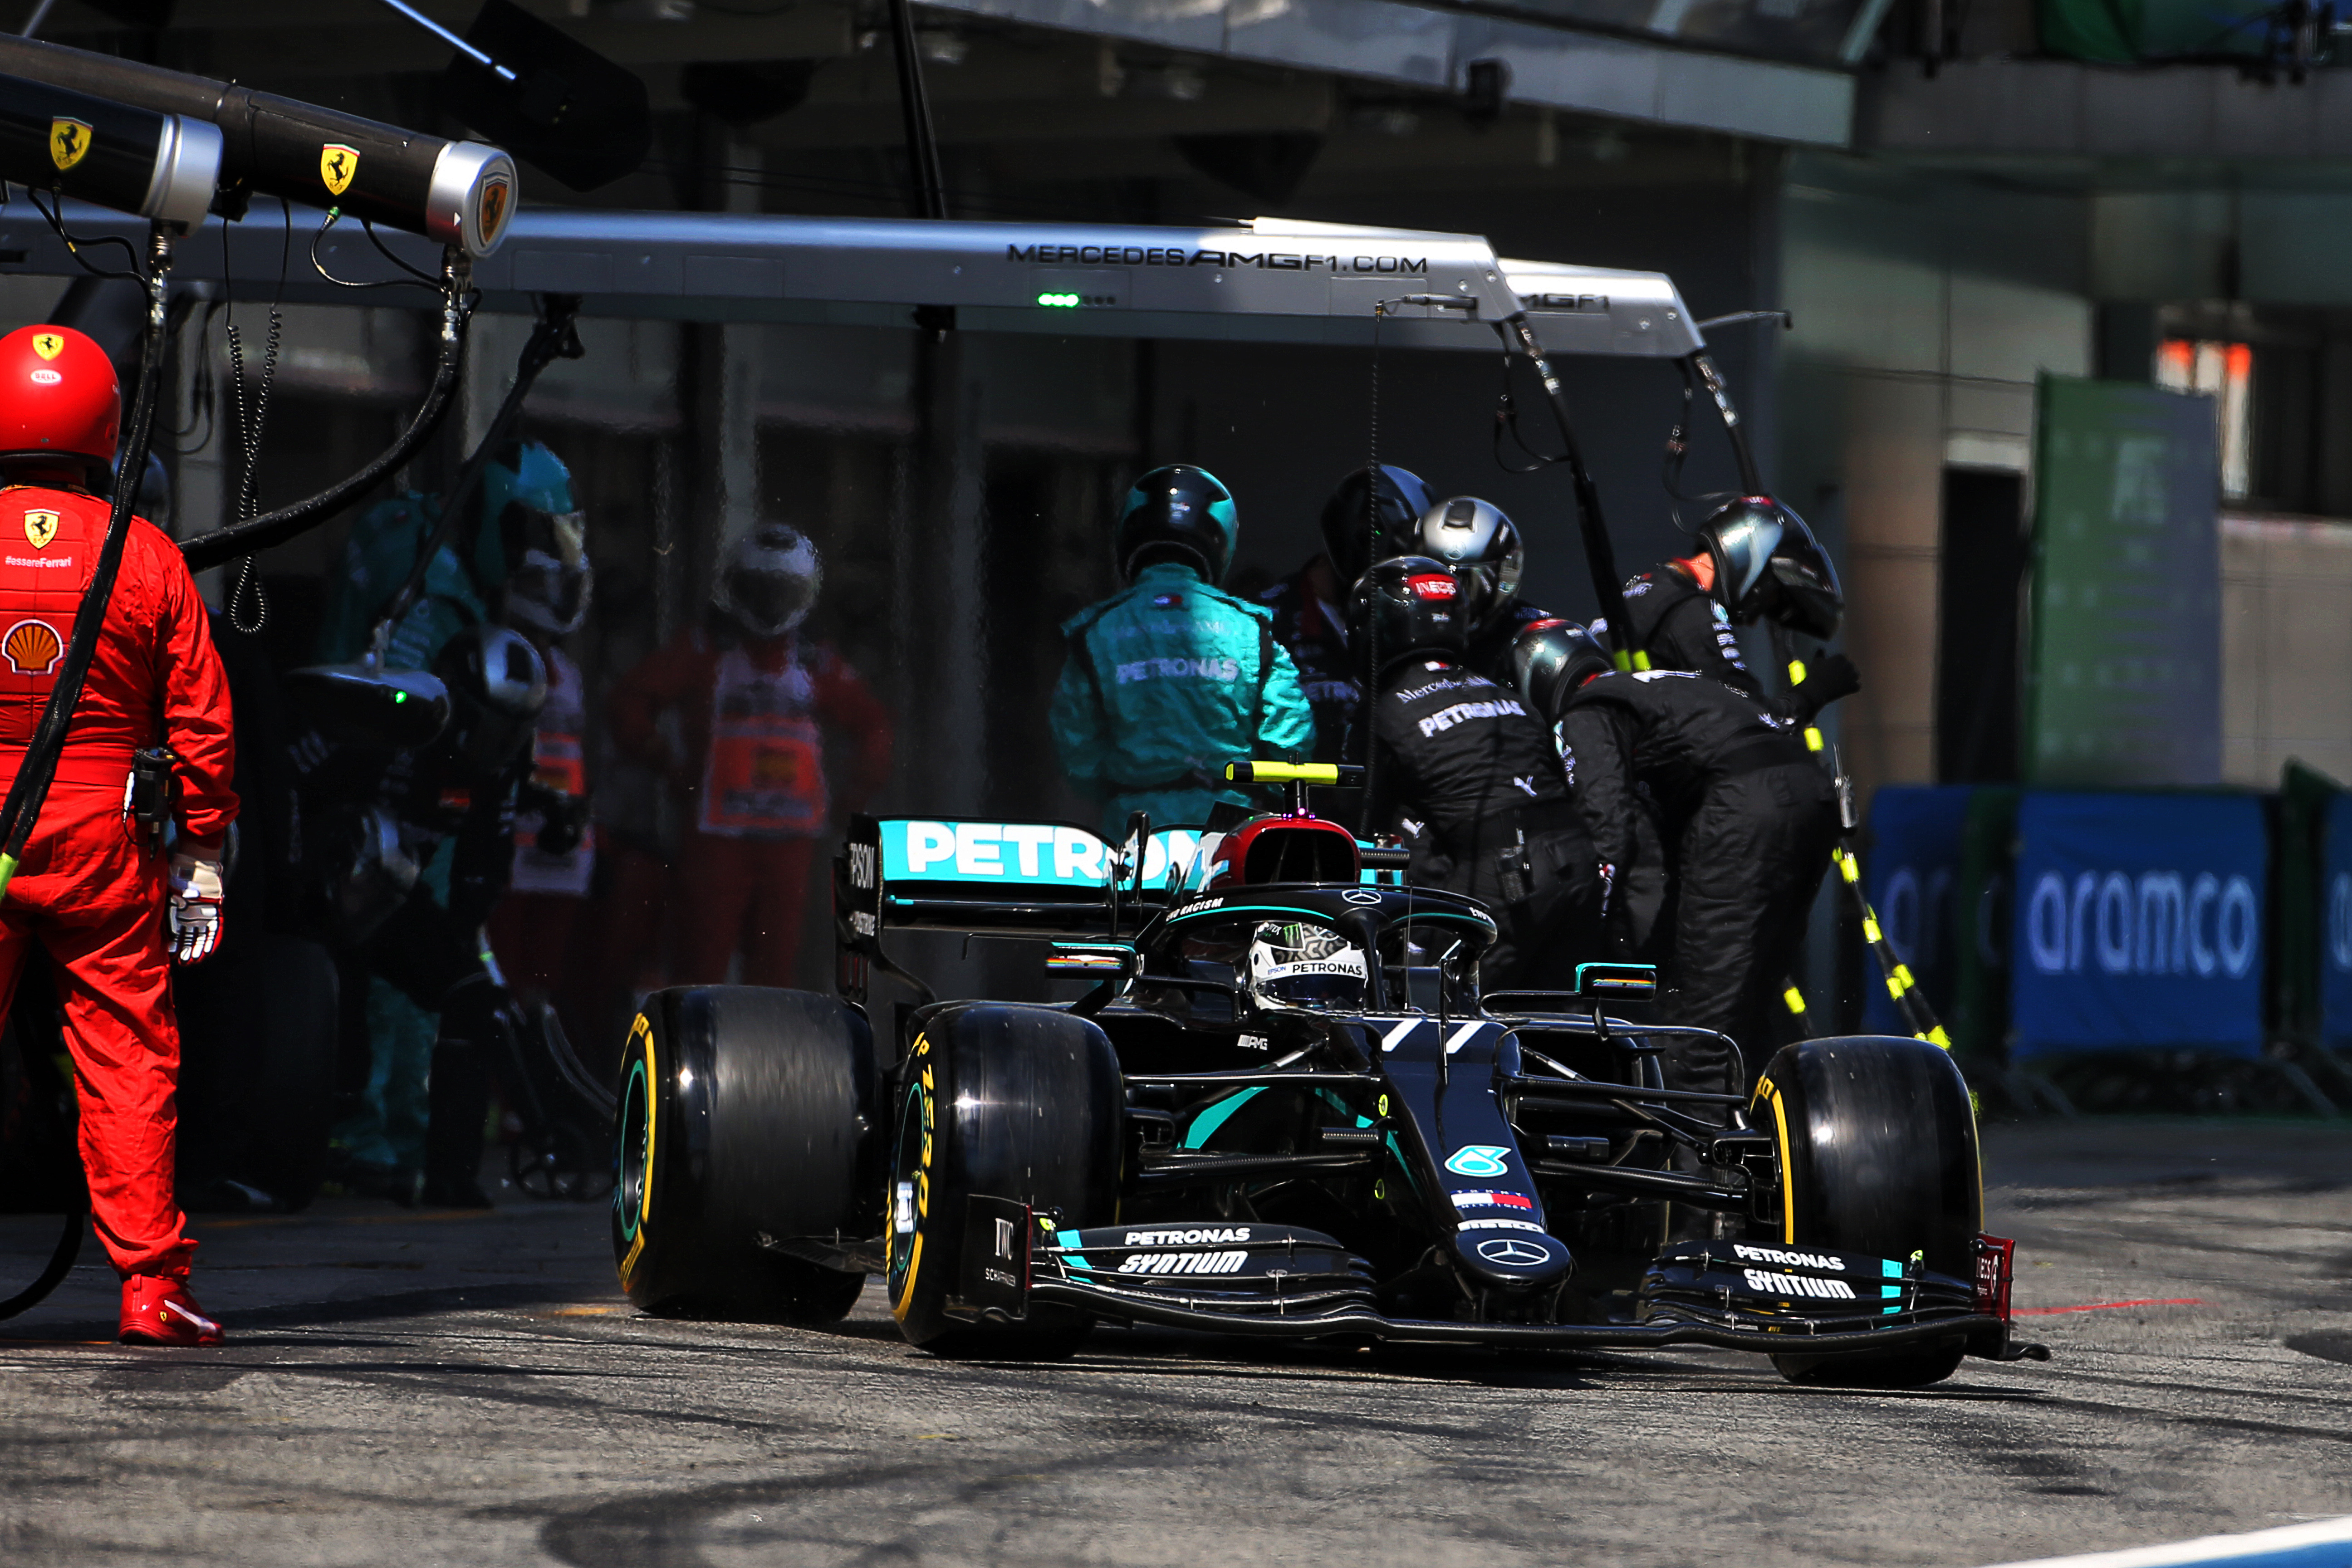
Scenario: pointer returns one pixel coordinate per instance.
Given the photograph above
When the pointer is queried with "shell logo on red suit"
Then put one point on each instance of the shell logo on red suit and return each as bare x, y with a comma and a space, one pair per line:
33, 648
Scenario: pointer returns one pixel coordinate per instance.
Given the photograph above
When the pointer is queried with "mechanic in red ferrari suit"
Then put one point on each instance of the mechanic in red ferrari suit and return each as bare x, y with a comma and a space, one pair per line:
112, 910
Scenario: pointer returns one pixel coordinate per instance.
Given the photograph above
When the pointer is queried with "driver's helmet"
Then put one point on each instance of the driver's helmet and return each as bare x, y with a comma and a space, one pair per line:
1296, 965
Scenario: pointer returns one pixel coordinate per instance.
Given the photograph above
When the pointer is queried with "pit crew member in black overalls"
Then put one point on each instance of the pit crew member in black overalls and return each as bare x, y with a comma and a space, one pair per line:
1461, 771
1756, 561
1310, 615
1748, 819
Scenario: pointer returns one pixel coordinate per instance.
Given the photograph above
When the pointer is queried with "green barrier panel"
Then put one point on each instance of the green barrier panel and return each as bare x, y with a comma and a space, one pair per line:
2123, 683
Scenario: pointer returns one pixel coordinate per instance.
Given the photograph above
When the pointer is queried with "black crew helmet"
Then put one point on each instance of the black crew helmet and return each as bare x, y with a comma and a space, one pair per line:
1483, 546
1551, 658
1353, 539
1768, 564
1409, 607
1177, 514
497, 684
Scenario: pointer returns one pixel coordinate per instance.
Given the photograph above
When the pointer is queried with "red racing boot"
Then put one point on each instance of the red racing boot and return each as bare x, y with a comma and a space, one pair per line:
158, 1311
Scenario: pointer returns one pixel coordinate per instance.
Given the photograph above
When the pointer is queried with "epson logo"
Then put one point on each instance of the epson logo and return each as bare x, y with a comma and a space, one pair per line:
1222, 1237
1787, 1260
1184, 1263
1799, 1285
862, 862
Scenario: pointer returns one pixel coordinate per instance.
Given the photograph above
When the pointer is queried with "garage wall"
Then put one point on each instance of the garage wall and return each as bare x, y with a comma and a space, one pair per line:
2287, 644
1925, 309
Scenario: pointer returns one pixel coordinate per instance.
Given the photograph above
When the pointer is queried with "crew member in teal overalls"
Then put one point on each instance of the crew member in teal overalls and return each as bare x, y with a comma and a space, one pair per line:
1172, 679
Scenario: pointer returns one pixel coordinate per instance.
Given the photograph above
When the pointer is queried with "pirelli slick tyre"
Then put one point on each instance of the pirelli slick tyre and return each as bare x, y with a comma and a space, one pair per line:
744, 1114
1878, 1155
1023, 1103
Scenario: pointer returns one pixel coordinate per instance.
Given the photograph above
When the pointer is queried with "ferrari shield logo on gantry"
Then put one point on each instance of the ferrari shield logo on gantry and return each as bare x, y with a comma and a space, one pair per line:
338, 166
496, 191
69, 141
40, 527
48, 345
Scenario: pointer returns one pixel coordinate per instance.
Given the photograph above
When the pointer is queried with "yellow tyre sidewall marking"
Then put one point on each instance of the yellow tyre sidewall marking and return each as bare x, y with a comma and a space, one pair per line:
1767, 1090
903, 1300
642, 1032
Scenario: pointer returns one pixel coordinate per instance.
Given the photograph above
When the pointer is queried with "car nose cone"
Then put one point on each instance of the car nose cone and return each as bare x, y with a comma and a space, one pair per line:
1513, 1259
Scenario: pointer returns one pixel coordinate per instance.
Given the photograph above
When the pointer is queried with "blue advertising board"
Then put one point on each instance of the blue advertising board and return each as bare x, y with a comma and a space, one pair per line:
2336, 926
1912, 867
2139, 923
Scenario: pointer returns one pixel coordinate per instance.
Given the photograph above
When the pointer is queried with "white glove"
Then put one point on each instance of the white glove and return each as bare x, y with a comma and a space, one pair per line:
194, 912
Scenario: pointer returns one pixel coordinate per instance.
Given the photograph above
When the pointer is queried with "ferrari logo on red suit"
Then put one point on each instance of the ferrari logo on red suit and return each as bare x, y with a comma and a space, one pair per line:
33, 648
40, 527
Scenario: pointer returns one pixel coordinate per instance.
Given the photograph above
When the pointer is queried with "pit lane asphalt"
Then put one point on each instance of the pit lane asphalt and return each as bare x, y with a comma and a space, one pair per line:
418, 1389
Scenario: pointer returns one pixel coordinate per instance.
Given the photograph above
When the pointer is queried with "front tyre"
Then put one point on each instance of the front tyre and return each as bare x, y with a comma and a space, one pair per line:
1878, 1155
744, 1113
1023, 1103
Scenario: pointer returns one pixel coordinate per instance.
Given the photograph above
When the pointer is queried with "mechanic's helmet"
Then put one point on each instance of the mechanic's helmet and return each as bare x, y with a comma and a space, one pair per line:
1480, 544
769, 581
1177, 514
1768, 563
59, 399
1299, 965
551, 581
1409, 605
1353, 539
497, 684
1551, 659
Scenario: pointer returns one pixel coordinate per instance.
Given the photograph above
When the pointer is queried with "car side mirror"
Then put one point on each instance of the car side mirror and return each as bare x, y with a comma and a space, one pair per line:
1617, 982
1107, 961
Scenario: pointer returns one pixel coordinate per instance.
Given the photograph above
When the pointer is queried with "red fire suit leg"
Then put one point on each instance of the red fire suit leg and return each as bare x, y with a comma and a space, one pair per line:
84, 893
89, 896
740, 893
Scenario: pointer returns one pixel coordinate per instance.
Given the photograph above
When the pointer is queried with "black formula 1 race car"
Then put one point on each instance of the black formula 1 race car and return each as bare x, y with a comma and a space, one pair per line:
1281, 1108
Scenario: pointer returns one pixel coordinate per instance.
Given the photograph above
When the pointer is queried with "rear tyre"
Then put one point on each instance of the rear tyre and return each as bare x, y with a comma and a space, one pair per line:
997, 1102
1878, 1155
743, 1113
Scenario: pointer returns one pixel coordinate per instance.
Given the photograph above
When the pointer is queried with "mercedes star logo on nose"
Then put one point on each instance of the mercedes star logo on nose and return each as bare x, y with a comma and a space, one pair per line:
1360, 896
1512, 1253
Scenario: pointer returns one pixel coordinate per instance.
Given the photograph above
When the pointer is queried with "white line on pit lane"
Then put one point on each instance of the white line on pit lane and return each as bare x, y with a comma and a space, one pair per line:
2326, 1545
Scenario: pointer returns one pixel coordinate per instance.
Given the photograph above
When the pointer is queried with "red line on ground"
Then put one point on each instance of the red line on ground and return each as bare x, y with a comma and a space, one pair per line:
2103, 1306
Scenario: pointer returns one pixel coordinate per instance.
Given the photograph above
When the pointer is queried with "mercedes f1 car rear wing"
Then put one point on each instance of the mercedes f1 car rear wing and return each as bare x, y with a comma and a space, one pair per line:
993, 878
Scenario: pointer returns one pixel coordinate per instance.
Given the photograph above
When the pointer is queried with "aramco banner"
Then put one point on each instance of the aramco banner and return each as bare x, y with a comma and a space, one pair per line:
2123, 685
2139, 923
1910, 870
2336, 926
